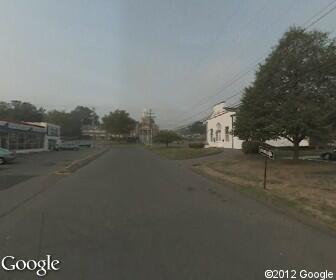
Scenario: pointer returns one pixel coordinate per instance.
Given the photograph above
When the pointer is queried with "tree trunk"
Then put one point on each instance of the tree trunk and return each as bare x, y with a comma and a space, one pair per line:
167, 144
296, 150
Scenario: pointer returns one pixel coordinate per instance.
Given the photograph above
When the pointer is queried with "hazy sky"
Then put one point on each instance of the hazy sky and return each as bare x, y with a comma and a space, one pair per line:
171, 56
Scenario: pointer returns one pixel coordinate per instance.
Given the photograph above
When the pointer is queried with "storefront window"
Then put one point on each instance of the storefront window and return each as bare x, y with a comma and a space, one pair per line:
25, 140
13, 145
21, 141
4, 140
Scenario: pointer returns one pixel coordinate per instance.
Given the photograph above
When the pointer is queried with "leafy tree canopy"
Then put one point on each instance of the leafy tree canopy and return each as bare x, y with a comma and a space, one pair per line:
70, 125
21, 111
118, 122
86, 115
197, 127
166, 137
294, 93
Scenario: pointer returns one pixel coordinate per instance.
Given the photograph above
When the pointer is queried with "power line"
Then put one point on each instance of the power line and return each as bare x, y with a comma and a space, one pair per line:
211, 106
243, 73
308, 26
239, 76
236, 104
318, 13
187, 120
248, 23
240, 92
229, 83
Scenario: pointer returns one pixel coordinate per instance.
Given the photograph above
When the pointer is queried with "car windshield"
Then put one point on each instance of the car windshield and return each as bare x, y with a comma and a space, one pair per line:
4, 150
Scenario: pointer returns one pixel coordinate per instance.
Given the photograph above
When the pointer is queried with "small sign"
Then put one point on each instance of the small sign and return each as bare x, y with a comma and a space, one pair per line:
266, 152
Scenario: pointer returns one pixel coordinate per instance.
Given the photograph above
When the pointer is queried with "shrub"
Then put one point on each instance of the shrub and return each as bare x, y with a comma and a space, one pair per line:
196, 145
251, 147
167, 136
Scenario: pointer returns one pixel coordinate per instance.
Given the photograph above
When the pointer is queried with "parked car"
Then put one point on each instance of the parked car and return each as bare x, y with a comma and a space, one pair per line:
6, 156
329, 155
85, 144
67, 146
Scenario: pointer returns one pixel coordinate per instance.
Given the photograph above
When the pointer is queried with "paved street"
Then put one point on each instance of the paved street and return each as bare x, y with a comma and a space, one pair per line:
133, 215
28, 166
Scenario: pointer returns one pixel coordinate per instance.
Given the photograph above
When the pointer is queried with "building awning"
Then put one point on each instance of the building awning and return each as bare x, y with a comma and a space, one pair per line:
19, 127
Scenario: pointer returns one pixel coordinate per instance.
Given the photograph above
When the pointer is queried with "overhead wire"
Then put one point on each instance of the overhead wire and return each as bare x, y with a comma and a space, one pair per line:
322, 11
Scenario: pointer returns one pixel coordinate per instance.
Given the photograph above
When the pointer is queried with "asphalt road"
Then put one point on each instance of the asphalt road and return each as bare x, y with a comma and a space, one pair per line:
27, 166
132, 215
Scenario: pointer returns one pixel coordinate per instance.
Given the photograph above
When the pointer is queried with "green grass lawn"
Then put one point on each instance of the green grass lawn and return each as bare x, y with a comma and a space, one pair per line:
304, 188
183, 152
123, 145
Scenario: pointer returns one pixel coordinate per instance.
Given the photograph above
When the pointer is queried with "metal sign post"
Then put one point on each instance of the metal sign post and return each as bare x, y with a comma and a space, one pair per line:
268, 154
265, 173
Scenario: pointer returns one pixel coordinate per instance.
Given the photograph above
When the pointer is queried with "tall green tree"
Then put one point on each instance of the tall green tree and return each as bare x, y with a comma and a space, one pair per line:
21, 111
197, 127
118, 123
195, 130
70, 125
86, 115
166, 137
294, 93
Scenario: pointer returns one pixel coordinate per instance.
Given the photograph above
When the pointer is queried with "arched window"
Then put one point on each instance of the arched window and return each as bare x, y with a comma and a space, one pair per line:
227, 134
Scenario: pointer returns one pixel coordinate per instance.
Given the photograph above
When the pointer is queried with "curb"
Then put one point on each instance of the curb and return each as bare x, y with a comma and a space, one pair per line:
77, 164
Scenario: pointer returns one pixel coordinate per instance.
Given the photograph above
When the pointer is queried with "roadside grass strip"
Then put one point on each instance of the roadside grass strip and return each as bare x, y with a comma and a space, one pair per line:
306, 189
181, 153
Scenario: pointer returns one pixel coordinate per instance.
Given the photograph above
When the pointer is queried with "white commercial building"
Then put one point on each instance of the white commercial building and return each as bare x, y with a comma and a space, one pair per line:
220, 127
52, 134
25, 137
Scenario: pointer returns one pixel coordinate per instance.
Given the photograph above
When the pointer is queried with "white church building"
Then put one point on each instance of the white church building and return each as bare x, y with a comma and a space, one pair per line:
219, 129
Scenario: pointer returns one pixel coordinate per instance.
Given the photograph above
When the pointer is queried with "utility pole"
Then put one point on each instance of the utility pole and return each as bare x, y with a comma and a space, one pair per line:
151, 117
94, 129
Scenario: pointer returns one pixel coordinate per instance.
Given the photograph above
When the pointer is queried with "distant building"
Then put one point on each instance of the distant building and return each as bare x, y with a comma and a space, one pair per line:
220, 126
146, 129
52, 136
27, 137
94, 133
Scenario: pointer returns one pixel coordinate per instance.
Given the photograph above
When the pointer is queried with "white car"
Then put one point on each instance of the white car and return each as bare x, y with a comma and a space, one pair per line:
6, 156
67, 146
